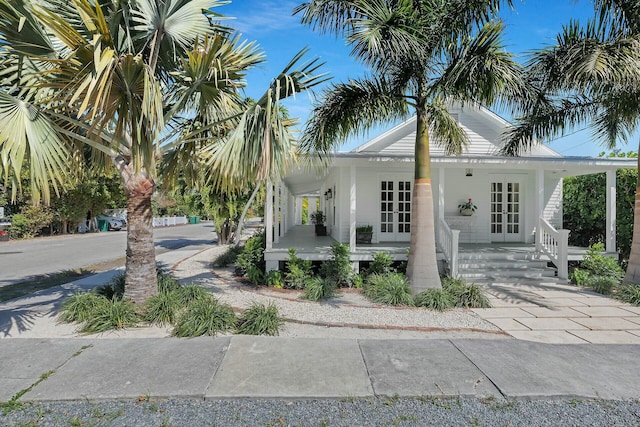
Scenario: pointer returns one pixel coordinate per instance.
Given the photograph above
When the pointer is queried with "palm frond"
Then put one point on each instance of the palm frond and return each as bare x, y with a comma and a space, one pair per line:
445, 128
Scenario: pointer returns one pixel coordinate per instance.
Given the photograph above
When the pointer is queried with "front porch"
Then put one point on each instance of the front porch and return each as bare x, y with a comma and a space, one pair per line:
318, 248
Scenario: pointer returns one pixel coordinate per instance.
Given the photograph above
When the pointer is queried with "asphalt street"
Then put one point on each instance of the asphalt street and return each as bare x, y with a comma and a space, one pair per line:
23, 259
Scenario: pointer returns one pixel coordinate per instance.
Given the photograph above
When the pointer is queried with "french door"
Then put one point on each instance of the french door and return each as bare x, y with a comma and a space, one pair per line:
395, 210
506, 210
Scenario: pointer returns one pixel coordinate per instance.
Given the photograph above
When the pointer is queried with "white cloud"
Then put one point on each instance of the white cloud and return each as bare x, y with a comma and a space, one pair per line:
262, 17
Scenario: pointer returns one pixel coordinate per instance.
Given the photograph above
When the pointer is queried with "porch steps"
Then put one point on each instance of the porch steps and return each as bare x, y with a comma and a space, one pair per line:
503, 267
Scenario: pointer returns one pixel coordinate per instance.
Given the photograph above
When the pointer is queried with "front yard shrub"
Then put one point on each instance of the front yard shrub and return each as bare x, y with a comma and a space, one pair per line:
204, 317
434, 299
629, 293
579, 277
318, 288
602, 284
255, 275
166, 283
188, 293
109, 315
260, 319
161, 309
464, 294
298, 271
229, 257
390, 289
381, 264
338, 268
79, 307
252, 254
599, 265
274, 279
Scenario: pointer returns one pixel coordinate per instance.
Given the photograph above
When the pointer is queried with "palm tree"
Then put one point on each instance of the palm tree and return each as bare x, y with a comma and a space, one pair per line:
135, 81
424, 56
591, 76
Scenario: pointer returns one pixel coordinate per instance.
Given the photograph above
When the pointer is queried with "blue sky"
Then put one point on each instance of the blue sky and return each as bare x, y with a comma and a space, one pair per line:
533, 24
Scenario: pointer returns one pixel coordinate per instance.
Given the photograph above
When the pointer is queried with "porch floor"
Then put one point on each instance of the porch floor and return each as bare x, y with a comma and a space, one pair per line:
310, 246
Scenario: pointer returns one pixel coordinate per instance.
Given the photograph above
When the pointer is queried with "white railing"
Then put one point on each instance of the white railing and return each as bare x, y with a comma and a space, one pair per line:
169, 220
555, 244
448, 240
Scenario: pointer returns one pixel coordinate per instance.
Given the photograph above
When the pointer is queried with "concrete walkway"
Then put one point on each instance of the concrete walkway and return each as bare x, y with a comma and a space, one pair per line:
564, 314
243, 366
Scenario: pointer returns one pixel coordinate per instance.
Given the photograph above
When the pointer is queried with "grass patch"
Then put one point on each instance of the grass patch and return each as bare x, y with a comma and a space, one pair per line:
110, 315
204, 317
465, 295
318, 288
80, 307
260, 319
434, 299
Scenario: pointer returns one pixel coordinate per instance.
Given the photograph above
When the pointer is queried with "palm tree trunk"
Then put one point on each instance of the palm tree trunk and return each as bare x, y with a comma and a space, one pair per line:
238, 234
141, 280
422, 268
633, 268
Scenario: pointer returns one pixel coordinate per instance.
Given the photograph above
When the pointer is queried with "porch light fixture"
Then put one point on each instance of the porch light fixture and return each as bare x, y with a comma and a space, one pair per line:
326, 195
468, 172
329, 193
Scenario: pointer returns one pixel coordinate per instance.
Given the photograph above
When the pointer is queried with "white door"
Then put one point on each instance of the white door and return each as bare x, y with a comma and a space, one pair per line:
395, 210
506, 210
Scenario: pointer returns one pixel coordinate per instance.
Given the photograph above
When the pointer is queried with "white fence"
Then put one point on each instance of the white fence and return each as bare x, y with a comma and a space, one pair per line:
555, 244
169, 220
449, 241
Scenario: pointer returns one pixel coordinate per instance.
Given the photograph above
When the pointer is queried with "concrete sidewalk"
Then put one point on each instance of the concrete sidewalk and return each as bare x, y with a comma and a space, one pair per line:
261, 367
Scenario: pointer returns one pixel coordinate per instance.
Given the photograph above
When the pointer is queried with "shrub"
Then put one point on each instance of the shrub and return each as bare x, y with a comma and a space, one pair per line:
601, 284
390, 289
161, 309
274, 279
260, 320
464, 294
338, 268
109, 315
298, 271
358, 281
381, 264
252, 254
579, 277
434, 299
113, 289
229, 257
629, 293
167, 284
599, 265
204, 317
255, 275
79, 307
318, 288
189, 293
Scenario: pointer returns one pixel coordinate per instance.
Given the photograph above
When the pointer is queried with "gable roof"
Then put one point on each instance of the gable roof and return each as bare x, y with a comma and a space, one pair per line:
484, 128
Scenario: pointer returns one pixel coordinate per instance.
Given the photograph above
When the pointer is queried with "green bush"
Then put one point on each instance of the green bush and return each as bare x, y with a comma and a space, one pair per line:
188, 293
260, 320
161, 309
579, 277
338, 268
601, 284
434, 299
629, 293
464, 294
381, 264
390, 289
274, 279
30, 220
298, 271
204, 317
599, 265
79, 307
229, 257
109, 315
252, 254
167, 284
318, 288
255, 275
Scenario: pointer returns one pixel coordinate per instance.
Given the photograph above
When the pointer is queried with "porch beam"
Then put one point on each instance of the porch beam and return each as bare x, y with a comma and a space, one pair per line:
539, 207
610, 233
352, 210
268, 216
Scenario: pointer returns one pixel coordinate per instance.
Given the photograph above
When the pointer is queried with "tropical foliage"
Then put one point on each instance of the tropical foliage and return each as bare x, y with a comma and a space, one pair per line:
137, 82
424, 57
589, 76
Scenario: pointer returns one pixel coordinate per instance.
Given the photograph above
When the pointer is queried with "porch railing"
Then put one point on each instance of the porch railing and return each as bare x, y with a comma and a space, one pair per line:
448, 240
555, 244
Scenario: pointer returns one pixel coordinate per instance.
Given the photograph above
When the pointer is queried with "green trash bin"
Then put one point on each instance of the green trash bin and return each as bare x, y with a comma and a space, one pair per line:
197, 220
103, 225
192, 219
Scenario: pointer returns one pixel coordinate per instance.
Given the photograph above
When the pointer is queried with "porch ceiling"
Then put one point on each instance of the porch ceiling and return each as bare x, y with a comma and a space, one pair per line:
305, 181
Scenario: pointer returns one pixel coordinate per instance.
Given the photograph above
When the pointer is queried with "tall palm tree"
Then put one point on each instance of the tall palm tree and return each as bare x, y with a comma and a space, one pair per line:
424, 56
135, 81
590, 76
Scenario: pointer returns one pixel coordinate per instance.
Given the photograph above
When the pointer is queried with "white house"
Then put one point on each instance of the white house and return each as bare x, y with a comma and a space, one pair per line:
519, 199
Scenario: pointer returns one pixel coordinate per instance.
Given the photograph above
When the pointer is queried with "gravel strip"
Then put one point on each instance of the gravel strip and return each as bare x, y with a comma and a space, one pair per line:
330, 412
350, 309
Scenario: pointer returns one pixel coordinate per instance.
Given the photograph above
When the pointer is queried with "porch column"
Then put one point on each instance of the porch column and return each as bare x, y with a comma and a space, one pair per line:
610, 233
297, 211
539, 207
440, 206
352, 211
268, 216
276, 217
